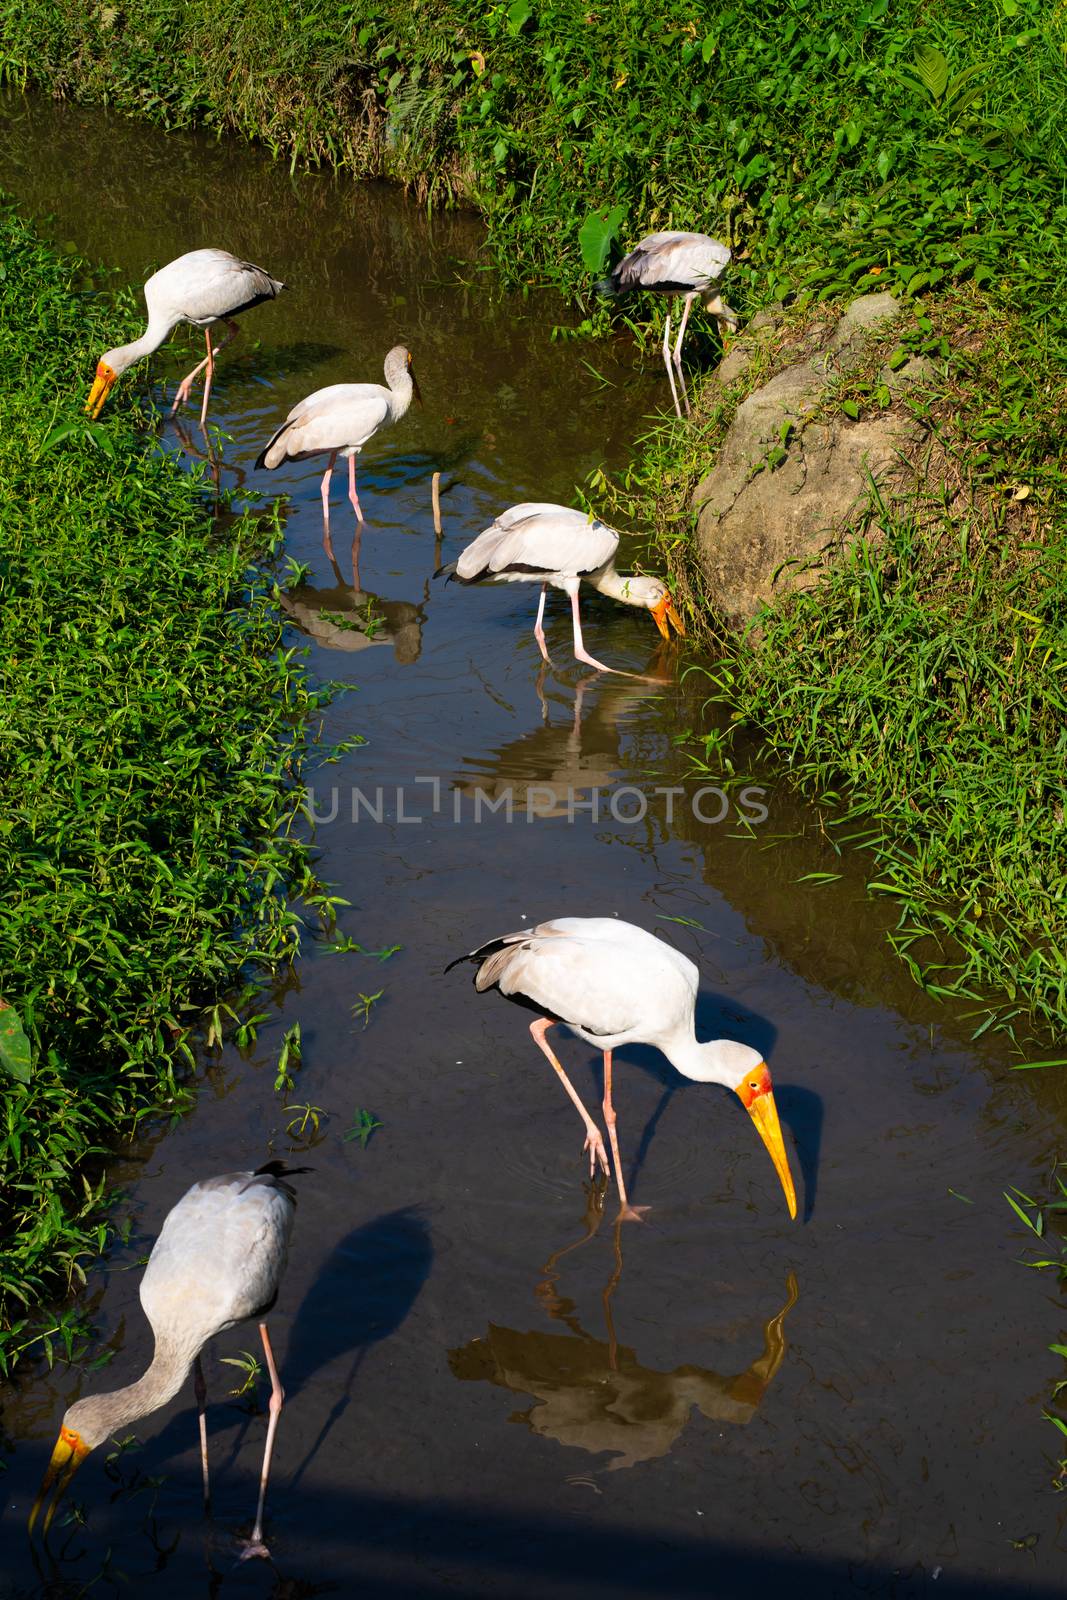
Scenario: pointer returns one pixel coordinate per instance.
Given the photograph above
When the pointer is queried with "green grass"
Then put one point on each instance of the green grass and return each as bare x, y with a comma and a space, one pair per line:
919, 692
823, 139
151, 734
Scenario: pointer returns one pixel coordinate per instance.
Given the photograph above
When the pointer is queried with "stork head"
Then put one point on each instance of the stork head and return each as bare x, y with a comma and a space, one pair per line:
742, 1069
399, 367
112, 365
724, 315
656, 597
84, 1426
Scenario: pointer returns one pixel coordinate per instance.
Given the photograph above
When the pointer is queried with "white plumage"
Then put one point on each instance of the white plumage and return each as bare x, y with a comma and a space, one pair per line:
201, 287
688, 264
219, 1257
558, 547
672, 263
614, 984
218, 1261
339, 420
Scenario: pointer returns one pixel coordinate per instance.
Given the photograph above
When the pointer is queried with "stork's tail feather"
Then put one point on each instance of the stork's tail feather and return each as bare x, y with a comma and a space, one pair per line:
491, 947
278, 1169
448, 572
275, 1173
278, 457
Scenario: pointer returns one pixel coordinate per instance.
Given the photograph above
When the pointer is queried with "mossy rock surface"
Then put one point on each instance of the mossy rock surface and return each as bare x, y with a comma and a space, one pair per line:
794, 471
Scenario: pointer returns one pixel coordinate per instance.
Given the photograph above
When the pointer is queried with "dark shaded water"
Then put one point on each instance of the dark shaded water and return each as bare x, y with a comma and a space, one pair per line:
719, 1402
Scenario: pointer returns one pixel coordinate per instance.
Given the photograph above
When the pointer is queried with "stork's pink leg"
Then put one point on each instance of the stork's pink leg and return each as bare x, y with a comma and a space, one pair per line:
580, 652
184, 388
667, 363
627, 1212
539, 632
327, 475
678, 352
255, 1545
352, 495
207, 380
594, 1143
200, 1389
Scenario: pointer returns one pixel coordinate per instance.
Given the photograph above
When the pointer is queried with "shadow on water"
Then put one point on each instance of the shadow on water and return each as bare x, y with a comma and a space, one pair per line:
479, 1550
366, 1288
801, 1110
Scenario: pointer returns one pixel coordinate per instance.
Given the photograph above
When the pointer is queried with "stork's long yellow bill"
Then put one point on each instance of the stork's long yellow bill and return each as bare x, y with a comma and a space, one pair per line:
661, 613
69, 1453
105, 377
757, 1097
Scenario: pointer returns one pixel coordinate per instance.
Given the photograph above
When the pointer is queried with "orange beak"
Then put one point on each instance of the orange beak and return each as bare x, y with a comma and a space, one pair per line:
105, 377
662, 612
68, 1455
757, 1097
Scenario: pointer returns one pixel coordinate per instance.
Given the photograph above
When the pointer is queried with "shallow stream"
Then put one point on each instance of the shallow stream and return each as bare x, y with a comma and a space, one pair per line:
490, 1390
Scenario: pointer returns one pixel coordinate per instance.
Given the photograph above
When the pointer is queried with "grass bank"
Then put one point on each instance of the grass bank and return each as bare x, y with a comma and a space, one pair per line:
150, 734
824, 139
918, 693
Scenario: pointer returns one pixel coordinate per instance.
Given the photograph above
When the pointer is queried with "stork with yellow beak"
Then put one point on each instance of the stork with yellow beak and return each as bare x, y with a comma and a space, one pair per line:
218, 1261
202, 287
558, 547
614, 984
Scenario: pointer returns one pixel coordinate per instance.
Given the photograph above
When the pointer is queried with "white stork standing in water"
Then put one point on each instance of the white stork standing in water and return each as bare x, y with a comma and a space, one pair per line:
686, 264
338, 421
202, 287
556, 546
218, 1261
614, 984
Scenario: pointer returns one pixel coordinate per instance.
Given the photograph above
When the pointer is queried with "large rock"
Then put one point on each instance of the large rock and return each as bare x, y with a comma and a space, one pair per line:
768, 522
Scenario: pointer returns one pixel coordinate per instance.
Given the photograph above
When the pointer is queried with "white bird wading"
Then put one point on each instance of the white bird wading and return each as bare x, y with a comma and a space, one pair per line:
614, 984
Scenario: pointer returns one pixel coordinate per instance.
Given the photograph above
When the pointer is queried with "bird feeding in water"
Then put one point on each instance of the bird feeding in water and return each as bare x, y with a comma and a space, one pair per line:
202, 287
687, 264
339, 420
614, 984
218, 1261
558, 547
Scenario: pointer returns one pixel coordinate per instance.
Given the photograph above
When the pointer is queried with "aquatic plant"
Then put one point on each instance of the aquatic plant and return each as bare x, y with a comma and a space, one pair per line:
152, 730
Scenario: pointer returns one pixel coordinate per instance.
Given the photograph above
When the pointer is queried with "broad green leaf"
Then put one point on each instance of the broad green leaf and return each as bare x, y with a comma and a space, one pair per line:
932, 70
14, 1045
597, 234
519, 13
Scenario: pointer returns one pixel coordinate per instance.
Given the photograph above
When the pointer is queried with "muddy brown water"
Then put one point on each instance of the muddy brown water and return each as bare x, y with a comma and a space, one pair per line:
490, 1391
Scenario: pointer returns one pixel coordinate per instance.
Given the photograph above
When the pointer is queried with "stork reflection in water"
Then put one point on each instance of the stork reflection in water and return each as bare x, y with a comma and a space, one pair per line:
344, 616
550, 770
593, 1393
